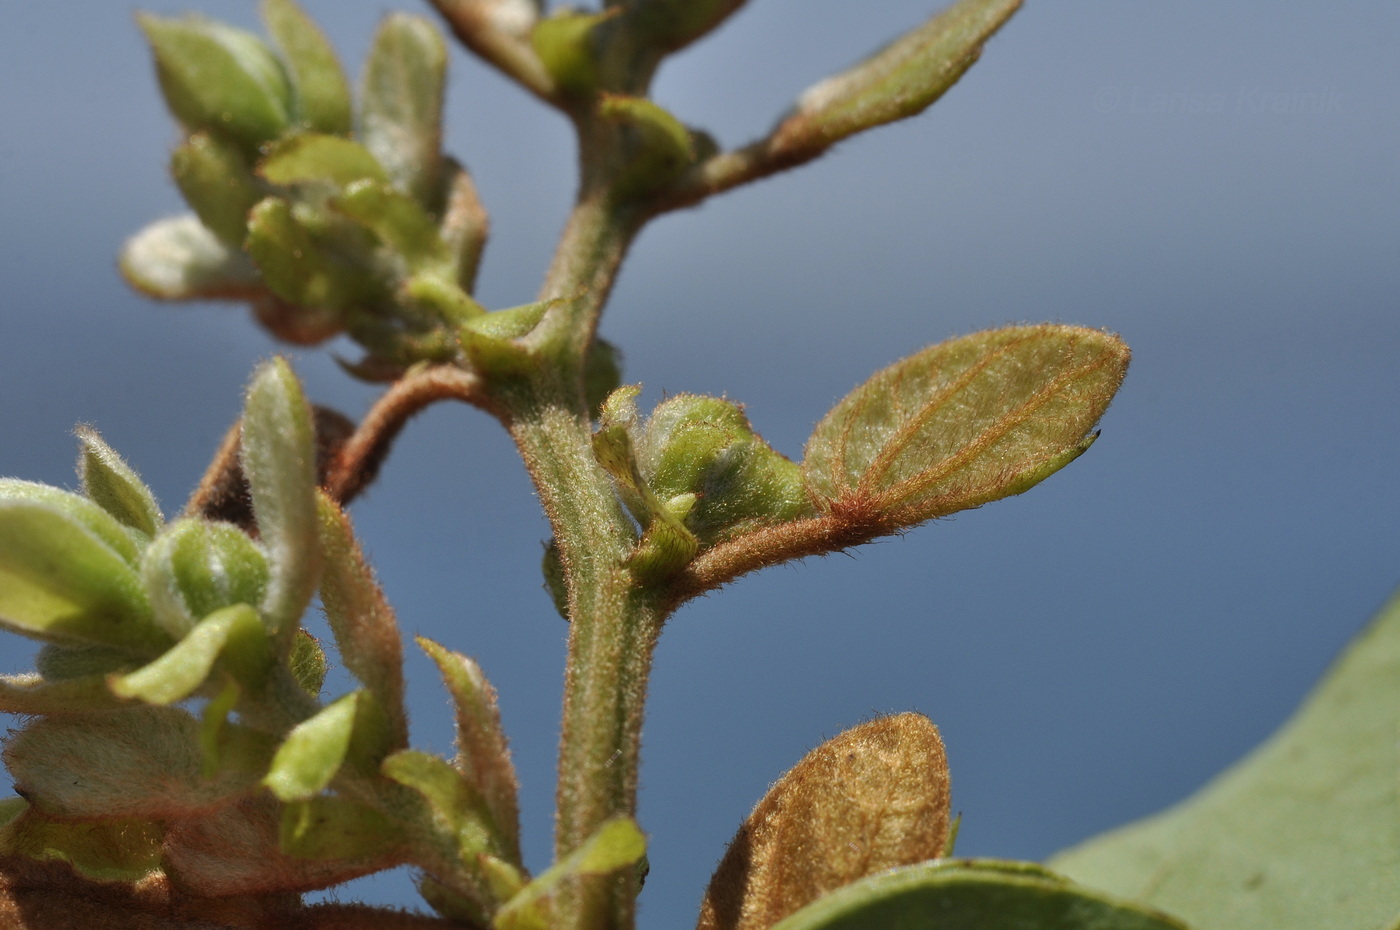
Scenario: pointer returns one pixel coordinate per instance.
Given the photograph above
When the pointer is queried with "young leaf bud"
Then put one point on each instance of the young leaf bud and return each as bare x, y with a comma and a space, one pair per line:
964, 422
366, 630
400, 118
871, 798
705, 447
66, 572
218, 184
660, 147
181, 259
320, 93
899, 81
482, 754
567, 47
278, 453
195, 567
219, 79
114, 485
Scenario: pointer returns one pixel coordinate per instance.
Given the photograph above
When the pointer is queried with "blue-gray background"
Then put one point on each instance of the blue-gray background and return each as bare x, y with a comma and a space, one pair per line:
1216, 181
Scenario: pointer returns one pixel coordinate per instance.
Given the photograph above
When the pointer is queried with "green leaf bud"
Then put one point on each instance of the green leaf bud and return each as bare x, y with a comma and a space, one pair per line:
659, 147
454, 801
294, 263
555, 580
92, 516
220, 79
308, 663
317, 158
964, 422
567, 47
114, 485
60, 581
320, 93
365, 628
398, 221
899, 81
196, 567
182, 259
704, 447
400, 118
278, 454
218, 184
483, 757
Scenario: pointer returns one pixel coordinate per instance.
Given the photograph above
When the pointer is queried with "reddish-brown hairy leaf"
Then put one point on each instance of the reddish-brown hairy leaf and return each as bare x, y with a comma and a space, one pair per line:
872, 798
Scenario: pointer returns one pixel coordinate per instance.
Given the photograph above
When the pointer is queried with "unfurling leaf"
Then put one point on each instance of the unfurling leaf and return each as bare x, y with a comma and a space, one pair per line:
566, 46
278, 450
482, 754
352, 730
974, 894
138, 762
220, 79
400, 119
320, 94
114, 486
964, 422
235, 634
313, 752
181, 259
195, 567
872, 798
899, 81
365, 629
616, 844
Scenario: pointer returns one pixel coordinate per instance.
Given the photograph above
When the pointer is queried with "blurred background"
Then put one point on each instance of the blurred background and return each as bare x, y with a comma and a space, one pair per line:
1219, 183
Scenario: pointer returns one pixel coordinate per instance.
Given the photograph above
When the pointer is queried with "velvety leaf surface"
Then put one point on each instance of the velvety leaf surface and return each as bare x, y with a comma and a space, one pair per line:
871, 798
964, 422
180, 259
112, 484
320, 94
219, 78
279, 457
139, 762
899, 81
971, 895
1303, 834
400, 118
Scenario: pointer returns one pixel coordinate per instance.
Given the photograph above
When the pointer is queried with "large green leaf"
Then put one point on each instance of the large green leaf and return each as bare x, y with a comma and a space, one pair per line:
1303, 834
958, 894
